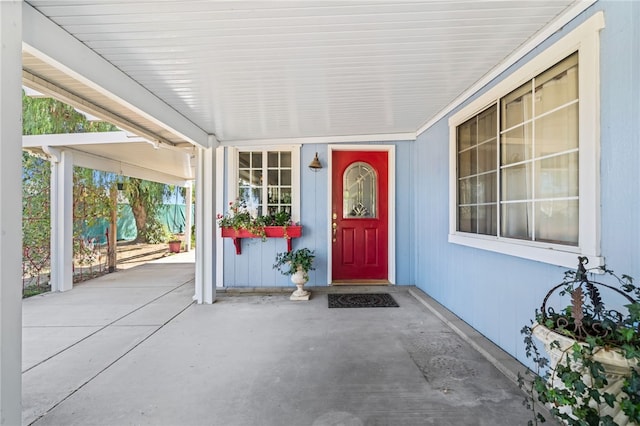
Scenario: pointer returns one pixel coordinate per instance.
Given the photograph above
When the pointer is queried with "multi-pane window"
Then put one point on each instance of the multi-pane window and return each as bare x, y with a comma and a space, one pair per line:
477, 174
517, 162
265, 181
539, 157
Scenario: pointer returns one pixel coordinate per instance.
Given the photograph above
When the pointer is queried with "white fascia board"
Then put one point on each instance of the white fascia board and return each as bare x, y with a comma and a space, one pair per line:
389, 137
44, 39
534, 42
71, 139
90, 161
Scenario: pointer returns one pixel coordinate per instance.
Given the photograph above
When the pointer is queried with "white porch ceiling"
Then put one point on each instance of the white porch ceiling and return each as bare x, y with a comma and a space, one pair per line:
252, 71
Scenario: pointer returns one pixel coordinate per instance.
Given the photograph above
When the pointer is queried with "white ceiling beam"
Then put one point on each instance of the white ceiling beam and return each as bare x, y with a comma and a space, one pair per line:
393, 137
71, 139
98, 138
34, 82
50, 43
90, 161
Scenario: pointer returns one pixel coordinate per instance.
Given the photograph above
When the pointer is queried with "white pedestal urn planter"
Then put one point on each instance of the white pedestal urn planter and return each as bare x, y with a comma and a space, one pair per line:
299, 278
297, 264
616, 368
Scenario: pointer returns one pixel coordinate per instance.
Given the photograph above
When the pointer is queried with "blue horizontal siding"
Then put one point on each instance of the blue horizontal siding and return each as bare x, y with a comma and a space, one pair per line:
253, 268
495, 293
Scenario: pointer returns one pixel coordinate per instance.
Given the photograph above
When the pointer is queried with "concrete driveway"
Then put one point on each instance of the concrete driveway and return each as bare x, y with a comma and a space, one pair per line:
131, 348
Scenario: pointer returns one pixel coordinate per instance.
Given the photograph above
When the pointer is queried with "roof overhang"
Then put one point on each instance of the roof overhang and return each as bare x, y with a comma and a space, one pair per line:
57, 64
121, 153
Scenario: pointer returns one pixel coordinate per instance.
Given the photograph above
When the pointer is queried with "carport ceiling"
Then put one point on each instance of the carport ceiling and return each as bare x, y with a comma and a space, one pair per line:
264, 71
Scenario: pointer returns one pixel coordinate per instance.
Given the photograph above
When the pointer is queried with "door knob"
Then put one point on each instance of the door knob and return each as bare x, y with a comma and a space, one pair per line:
335, 230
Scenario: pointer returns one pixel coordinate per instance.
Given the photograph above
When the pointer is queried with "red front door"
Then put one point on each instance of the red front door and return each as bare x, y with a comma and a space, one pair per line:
359, 216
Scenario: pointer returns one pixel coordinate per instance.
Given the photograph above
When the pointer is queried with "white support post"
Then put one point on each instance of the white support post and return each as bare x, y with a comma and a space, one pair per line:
219, 207
61, 219
205, 291
10, 212
188, 201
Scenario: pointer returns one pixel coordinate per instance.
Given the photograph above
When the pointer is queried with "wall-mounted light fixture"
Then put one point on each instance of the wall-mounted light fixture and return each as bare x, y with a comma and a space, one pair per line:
315, 164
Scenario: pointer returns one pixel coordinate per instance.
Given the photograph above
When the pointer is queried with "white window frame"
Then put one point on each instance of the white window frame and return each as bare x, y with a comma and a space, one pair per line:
585, 40
232, 177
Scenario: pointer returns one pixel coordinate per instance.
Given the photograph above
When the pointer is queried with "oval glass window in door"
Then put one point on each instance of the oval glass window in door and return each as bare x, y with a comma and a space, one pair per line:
360, 189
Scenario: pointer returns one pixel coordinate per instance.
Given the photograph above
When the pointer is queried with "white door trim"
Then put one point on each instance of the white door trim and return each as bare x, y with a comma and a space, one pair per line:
391, 159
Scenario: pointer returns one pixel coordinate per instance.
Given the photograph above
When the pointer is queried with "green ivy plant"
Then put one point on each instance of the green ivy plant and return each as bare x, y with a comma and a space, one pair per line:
575, 390
288, 262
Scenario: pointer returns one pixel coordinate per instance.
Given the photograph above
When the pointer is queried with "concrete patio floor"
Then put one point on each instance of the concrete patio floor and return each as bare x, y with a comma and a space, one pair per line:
131, 348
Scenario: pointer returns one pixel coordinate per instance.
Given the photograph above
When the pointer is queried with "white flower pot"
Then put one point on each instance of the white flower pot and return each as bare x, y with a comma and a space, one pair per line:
615, 365
299, 279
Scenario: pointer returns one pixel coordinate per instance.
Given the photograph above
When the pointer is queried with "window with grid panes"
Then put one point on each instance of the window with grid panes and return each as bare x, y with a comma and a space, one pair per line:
547, 129
517, 162
265, 181
477, 174
539, 157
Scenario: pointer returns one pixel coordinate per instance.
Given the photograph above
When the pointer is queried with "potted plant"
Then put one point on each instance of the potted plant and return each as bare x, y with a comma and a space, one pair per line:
591, 375
175, 243
239, 223
297, 264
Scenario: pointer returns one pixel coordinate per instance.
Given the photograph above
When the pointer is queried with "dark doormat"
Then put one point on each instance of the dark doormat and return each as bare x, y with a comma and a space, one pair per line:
362, 300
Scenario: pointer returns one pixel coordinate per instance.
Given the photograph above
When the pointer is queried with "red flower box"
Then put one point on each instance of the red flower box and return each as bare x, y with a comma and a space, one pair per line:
286, 232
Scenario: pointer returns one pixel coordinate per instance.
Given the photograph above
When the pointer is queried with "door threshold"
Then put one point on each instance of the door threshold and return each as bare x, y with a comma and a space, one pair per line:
360, 282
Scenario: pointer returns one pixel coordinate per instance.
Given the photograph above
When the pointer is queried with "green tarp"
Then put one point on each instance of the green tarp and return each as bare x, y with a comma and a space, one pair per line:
171, 215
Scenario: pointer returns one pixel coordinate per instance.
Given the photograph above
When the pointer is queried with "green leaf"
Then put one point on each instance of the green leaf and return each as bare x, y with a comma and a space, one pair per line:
609, 398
